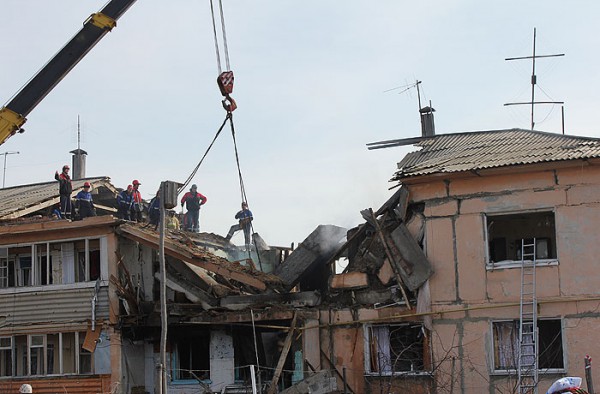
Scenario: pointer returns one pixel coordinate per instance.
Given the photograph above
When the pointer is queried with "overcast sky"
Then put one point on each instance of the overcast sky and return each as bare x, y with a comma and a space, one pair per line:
311, 82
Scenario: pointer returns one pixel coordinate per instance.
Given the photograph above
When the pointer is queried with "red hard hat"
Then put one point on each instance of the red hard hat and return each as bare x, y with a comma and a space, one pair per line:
87, 184
136, 182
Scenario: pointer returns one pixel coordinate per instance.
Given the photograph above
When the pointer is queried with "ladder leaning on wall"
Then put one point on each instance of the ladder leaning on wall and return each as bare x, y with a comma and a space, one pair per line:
527, 361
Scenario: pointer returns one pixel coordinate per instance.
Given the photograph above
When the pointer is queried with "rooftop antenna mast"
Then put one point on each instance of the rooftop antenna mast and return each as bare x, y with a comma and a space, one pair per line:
78, 133
534, 81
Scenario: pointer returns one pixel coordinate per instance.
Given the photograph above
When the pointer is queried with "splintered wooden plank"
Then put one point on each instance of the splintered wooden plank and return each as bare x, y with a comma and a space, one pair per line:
398, 202
317, 248
413, 265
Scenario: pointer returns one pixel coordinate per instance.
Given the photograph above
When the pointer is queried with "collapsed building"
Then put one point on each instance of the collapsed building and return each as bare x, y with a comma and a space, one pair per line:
422, 297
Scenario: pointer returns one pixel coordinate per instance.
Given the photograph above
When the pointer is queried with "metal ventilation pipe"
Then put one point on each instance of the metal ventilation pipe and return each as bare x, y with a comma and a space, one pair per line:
78, 166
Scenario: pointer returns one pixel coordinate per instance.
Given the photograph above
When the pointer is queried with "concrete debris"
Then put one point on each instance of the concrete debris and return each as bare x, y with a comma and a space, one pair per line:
320, 383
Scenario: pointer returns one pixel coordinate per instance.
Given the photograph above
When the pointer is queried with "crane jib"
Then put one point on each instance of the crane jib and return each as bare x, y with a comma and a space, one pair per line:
12, 117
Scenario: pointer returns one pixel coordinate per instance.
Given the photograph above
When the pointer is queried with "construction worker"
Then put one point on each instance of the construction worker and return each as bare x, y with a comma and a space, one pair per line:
244, 223
84, 202
25, 389
124, 202
154, 209
137, 203
172, 221
65, 188
193, 201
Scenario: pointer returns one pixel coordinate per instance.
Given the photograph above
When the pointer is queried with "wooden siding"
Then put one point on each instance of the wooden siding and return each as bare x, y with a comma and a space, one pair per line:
60, 385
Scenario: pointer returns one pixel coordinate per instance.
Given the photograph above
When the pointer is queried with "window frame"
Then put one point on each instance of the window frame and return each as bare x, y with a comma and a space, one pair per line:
26, 354
490, 265
367, 329
512, 371
42, 254
11, 349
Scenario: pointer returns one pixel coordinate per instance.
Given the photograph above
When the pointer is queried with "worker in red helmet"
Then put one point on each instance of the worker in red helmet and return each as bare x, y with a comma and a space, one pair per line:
137, 203
65, 188
84, 204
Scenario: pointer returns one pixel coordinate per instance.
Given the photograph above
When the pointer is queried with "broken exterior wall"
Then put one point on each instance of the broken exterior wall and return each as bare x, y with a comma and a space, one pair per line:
221, 359
476, 294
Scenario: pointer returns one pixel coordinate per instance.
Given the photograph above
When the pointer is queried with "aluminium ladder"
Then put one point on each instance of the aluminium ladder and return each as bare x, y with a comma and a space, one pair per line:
527, 357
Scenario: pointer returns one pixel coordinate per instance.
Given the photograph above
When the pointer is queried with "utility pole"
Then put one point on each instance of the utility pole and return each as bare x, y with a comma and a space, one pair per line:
168, 200
534, 80
4, 173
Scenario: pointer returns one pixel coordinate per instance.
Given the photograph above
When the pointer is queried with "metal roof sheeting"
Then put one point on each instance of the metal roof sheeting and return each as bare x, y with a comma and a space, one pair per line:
451, 153
17, 201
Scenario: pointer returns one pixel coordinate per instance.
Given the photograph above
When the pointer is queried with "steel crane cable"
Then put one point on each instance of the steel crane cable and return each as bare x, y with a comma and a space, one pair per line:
223, 32
242, 188
189, 179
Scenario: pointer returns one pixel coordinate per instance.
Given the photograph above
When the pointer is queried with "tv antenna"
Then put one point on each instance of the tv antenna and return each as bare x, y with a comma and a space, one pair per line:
533, 103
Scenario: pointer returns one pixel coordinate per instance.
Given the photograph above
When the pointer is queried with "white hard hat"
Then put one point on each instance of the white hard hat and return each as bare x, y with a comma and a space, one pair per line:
26, 388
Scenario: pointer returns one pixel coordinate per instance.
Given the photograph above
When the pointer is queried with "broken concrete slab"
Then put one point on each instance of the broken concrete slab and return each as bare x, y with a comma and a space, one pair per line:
315, 250
413, 266
350, 280
386, 273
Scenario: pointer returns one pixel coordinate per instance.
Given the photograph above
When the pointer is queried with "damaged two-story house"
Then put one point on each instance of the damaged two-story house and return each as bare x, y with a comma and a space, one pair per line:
481, 198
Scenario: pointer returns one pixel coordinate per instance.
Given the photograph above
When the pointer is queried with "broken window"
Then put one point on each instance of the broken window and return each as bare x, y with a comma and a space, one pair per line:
506, 345
191, 360
506, 233
395, 349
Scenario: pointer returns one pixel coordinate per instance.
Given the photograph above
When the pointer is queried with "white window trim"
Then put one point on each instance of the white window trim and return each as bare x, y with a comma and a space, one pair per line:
547, 371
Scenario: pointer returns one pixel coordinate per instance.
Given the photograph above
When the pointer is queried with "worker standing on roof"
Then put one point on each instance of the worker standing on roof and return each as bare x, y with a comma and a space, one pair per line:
136, 205
124, 202
193, 201
154, 209
244, 223
65, 189
85, 203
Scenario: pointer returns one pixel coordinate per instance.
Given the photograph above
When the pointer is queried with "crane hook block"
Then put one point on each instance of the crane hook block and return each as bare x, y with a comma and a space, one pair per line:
229, 104
225, 82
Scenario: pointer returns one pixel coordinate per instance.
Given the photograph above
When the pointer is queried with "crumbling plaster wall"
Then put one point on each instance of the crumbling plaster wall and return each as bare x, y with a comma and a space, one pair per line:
456, 246
138, 260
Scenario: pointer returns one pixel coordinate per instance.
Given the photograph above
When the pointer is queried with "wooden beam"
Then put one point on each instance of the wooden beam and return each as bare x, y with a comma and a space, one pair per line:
33, 208
284, 352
